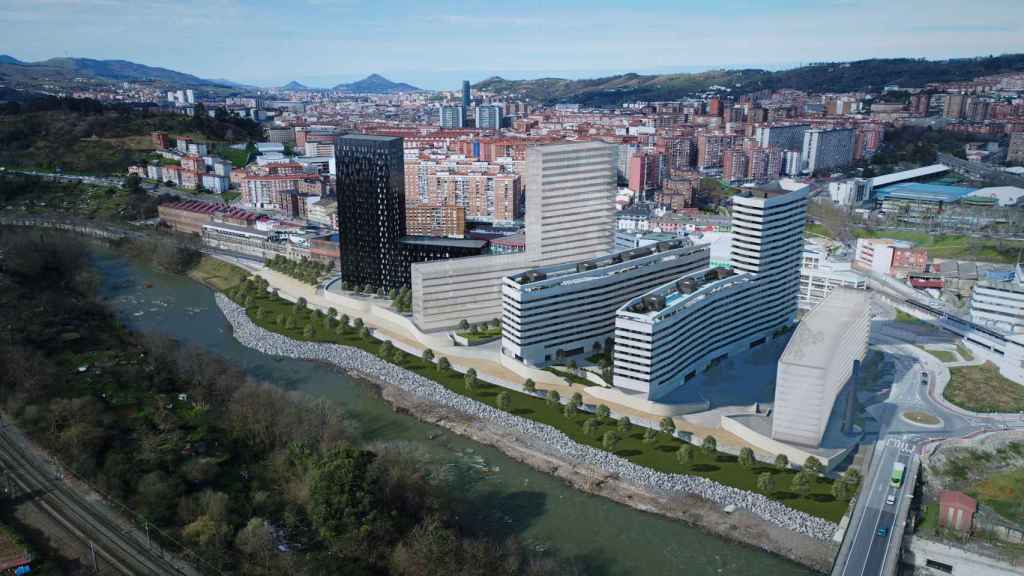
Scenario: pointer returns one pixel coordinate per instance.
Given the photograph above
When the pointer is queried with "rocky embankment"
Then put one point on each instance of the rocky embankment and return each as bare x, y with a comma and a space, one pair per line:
555, 444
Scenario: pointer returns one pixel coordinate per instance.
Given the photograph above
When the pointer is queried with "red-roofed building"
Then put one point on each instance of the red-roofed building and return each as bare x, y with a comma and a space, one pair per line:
956, 511
191, 215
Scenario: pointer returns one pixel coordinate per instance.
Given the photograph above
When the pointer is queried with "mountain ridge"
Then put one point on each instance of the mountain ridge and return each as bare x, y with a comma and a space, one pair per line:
376, 84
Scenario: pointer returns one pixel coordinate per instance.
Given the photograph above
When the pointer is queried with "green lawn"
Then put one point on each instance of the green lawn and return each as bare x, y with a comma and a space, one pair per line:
230, 196
983, 389
930, 518
818, 229
217, 274
238, 158
902, 316
660, 455
1004, 492
965, 352
475, 337
942, 355
952, 246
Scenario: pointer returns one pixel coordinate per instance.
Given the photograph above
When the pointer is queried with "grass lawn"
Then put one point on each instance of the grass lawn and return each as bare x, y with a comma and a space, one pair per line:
569, 376
818, 229
217, 274
952, 246
930, 518
942, 355
1004, 492
922, 418
238, 158
983, 389
902, 316
230, 196
965, 352
474, 337
265, 309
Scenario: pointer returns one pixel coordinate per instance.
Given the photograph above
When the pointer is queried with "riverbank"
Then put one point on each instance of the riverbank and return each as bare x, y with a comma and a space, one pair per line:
758, 521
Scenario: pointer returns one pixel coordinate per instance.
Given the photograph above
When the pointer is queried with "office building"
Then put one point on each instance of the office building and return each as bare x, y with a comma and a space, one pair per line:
1015, 153
851, 192
453, 117
570, 209
570, 216
818, 363
465, 95
783, 137
489, 117
668, 336
556, 312
820, 274
827, 149
371, 209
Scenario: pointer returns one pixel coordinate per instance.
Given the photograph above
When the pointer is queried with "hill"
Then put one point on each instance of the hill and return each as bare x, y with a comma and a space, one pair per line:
376, 84
293, 85
65, 70
866, 75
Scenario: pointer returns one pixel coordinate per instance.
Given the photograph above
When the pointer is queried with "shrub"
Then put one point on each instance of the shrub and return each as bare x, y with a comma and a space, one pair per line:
746, 458
590, 426
709, 445
667, 426
332, 312
685, 455
650, 436
781, 462
470, 379
603, 412
443, 364
428, 355
530, 386
813, 465
364, 333
504, 401
766, 483
569, 410
610, 439
576, 399
553, 397
307, 332
625, 425
463, 324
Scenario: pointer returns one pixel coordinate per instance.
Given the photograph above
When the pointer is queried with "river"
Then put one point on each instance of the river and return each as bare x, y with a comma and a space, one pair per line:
602, 537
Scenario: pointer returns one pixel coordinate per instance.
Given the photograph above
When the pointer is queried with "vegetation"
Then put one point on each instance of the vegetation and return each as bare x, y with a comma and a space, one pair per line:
32, 195
217, 274
639, 445
964, 352
482, 331
953, 246
305, 270
902, 316
994, 477
234, 469
942, 355
983, 389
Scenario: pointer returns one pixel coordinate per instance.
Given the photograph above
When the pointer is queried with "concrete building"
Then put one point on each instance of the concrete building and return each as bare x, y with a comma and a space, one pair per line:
489, 117
817, 364
819, 275
1000, 305
453, 117
570, 216
827, 149
851, 192
668, 336
1015, 153
557, 312
956, 511
570, 210
431, 220
783, 137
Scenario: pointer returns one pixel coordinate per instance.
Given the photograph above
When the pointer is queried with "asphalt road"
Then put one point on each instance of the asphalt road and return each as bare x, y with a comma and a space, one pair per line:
119, 547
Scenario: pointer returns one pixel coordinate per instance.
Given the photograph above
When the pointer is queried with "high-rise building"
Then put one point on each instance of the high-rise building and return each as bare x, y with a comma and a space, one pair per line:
666, 337
955, 106
818, 363
783, 137
919, 103
710, 149
488, 117
827, 149
1015, 152
571, 202
453, 117
465, 94
371, 209
644, 172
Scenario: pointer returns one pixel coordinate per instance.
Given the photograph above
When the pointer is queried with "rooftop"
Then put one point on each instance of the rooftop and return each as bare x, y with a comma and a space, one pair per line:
439, 241
924, 192
683, 293
878, 181
821, 331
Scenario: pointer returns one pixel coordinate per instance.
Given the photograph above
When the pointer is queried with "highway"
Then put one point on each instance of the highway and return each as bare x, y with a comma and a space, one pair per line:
119, 547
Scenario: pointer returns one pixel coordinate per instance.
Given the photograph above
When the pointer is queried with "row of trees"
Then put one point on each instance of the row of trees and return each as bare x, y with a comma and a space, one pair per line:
305, 270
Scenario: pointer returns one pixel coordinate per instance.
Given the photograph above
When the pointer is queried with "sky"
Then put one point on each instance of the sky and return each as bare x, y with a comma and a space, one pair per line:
435, 43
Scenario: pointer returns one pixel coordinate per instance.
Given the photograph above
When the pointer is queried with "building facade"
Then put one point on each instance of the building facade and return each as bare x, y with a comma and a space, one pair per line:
453, 117
827, 149
488, 117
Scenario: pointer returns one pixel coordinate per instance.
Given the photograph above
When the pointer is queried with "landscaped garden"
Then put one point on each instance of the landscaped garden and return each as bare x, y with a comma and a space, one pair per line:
305, 270
662, 451
480, 332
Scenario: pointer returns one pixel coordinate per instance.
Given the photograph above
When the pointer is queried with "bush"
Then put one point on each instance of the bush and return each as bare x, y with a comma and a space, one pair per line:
307, 332
685, 455
709, 445
603, 412
668, 427
576, 400
443, 364
610, 439
746, 458
428, 355
625, 425
590, 426
553, 397
463, 324
650, 436
781, 462
504, 401
569, 410
530, 386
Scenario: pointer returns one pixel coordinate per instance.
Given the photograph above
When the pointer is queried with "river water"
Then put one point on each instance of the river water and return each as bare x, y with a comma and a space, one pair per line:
602, 537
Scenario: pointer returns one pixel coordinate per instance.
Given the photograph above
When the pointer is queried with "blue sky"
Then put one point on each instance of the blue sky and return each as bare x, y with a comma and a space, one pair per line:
435, 43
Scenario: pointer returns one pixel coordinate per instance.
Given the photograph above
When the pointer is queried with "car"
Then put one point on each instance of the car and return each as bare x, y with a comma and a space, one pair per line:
883, 531
891, 498
924, 378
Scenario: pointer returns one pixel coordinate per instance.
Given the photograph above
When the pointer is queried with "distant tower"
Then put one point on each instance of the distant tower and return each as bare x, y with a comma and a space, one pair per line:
465, 94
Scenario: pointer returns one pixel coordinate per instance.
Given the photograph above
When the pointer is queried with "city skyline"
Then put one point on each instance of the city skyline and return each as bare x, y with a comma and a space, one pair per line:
213, 40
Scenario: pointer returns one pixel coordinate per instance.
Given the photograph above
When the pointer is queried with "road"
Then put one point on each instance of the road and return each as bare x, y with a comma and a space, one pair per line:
866, 552
119, 547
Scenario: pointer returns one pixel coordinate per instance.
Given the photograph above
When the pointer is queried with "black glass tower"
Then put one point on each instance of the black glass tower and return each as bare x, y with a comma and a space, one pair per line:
371, 210
465, 95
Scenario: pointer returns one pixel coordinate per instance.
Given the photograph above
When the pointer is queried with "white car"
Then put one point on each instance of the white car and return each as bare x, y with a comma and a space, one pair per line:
891, 498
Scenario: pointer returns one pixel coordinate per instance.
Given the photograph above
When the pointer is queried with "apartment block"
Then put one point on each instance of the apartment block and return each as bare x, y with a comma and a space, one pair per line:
431, 220
827, 149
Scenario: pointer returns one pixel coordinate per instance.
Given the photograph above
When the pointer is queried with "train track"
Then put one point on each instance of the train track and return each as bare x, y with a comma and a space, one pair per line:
117, 546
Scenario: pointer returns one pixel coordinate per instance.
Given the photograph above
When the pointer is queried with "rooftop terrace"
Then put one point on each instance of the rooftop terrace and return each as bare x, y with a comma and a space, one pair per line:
687, 291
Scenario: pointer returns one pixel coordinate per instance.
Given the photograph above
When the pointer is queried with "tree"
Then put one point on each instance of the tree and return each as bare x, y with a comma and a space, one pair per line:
650, 436
393, 294
813, 465
576, 399
443, 365
603, 412
852, 478
571, 364
256, 540
746, 457
553, 397
781, 462
685, 455
397, 356
463, 324
364, 333
301, 303
504, 401
709, 445
668, 427
841, 490
332, 312
385, 349
281, 321
357, 323
610, 439
801, 483
590, 426
344, 501
380, 292
470, 379
625, 425
289, 323
307, 332
569, 410
428, 356
766, 483
530, 386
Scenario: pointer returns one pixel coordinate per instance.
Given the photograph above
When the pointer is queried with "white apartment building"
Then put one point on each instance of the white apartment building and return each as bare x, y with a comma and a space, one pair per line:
570, 216
850, 192
827, 149
819, 275
556, 312
668, 336
817, 364
1000, 305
